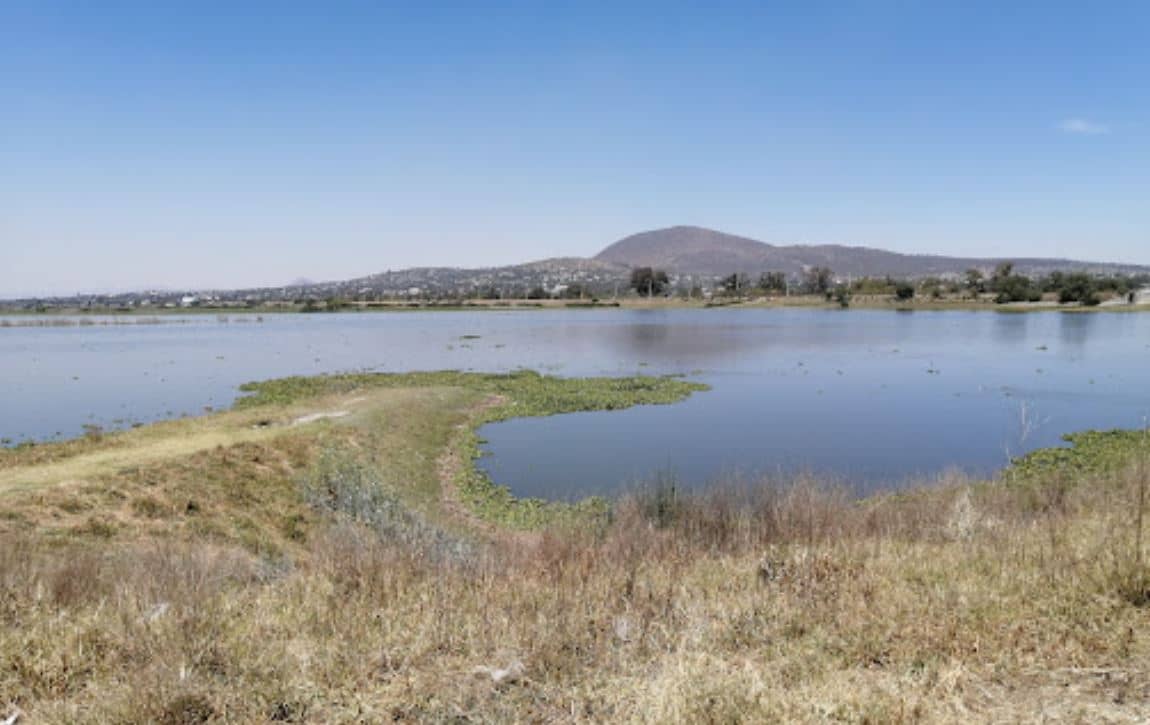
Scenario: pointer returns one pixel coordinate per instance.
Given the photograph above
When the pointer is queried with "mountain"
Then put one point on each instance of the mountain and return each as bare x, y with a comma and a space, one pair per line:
700, 252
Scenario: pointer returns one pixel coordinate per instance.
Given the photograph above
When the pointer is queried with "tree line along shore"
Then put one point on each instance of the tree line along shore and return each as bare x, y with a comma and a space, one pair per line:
1005, 286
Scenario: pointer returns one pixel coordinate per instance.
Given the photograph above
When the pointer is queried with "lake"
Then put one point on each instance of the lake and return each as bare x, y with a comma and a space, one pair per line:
872, 398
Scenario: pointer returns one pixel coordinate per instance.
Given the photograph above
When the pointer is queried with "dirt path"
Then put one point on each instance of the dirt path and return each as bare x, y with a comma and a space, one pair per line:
177, 439
450, 465
141, 453
168, 440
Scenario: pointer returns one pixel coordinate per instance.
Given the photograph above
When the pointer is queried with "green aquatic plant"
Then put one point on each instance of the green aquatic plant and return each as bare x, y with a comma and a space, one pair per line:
529, 393
1091, 453
518, 394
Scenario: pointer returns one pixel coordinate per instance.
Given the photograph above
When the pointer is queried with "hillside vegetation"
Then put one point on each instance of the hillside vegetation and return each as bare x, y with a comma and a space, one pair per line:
698, 256
327, 553
706, 252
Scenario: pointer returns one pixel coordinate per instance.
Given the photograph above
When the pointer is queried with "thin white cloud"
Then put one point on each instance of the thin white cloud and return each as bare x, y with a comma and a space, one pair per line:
1083, 127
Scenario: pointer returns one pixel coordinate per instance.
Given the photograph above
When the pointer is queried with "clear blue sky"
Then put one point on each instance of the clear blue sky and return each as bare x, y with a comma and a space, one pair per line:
234, 143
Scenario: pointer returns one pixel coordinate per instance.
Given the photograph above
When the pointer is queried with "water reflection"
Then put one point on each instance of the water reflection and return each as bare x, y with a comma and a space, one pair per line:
1073, 330
1010, 328
872, 398
869, 396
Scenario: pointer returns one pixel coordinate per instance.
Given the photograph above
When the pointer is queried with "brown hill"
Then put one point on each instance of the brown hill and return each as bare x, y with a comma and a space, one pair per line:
705, 252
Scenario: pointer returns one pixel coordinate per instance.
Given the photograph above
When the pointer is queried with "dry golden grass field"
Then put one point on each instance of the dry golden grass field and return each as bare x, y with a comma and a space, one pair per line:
326, 552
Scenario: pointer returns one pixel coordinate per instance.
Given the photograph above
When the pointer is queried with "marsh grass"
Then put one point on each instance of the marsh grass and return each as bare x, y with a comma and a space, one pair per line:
348, 485
752, 602
530, 393
756, 600
519, 394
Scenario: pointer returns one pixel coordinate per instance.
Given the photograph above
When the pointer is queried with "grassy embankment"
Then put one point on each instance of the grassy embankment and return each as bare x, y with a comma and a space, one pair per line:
248, 566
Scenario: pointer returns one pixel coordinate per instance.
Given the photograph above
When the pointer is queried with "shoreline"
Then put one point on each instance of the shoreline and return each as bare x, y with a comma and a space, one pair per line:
242, 314
306, 403
341, 570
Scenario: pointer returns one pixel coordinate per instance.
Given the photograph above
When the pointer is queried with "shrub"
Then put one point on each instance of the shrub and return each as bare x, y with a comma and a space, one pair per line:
1016, 288
346, 485
659, 502
1077, 287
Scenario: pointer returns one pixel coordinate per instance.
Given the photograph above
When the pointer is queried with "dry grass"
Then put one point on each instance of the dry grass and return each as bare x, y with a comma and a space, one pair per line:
231, 478
98, 453
802, 607
961, 602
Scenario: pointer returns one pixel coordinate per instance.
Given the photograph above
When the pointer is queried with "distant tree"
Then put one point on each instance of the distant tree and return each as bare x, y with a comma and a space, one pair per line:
1010, 287
1119, 284
873, 286
817, 280
904, 291
932, 286
1077, 287
648, 282
1003, 275
773, 282
842, 295
537, 293
1015, 288
1053, 282
975, 281
734, 283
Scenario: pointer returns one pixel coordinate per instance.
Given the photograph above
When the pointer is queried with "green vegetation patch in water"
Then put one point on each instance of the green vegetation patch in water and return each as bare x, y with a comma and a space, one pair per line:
520, 394
528, 392
1092, 453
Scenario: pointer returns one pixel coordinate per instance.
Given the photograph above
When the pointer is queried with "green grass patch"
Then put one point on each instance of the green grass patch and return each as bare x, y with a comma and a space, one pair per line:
521, 394
1092, 454
528, 392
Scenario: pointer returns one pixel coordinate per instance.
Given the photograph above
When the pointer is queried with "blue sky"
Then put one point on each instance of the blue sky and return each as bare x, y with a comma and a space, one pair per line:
228, 144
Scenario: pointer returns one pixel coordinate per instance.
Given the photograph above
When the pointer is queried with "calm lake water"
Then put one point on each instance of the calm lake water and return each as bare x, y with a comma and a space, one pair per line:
869, 397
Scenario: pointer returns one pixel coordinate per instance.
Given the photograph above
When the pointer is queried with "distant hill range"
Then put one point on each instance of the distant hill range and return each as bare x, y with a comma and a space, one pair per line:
696, 251
691, 255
